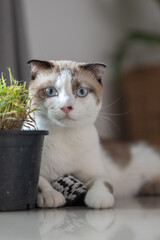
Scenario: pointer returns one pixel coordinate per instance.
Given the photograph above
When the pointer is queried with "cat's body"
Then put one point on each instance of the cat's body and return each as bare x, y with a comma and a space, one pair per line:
70, 96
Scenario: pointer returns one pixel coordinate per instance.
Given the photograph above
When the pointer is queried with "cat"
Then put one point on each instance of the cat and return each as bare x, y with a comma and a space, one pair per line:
69, 96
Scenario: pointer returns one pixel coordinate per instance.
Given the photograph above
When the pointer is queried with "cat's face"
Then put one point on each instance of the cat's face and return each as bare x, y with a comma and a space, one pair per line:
68, 93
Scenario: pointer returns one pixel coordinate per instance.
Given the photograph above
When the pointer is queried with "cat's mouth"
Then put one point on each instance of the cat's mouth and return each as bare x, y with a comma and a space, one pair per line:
66, 118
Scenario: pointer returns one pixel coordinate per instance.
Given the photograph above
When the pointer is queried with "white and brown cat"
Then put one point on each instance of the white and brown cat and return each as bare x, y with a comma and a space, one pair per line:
69, 95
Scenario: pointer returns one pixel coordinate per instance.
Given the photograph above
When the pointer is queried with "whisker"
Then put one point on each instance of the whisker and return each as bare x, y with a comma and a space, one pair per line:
115, 114
101, 128
116, 100
109, 119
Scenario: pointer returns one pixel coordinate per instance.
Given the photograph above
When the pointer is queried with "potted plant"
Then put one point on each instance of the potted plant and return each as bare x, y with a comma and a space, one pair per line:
20, 150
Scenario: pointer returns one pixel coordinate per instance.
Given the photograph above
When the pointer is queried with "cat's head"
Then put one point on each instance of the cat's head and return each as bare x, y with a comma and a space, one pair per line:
69, 93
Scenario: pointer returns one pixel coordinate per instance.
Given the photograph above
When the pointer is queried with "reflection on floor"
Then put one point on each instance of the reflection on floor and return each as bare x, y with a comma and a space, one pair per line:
130, 219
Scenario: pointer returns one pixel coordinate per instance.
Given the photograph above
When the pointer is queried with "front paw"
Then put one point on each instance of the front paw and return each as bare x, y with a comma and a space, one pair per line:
99, 198
50, 199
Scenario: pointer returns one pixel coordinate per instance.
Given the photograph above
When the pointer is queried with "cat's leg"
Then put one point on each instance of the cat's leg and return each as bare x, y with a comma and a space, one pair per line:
48, 197
100, 193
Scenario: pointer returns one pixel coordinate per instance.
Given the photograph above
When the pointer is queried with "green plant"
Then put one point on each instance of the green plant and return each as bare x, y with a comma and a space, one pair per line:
15, 106
132, 37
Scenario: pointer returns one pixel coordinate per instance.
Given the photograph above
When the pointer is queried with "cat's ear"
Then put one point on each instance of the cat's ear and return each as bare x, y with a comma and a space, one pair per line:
97, 68
37, 65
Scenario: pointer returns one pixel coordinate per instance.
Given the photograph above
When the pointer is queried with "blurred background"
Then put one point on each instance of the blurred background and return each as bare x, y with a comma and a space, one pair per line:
124, 34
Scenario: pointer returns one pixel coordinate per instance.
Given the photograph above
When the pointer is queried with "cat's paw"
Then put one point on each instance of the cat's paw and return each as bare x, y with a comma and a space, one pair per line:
99, 198
50, 199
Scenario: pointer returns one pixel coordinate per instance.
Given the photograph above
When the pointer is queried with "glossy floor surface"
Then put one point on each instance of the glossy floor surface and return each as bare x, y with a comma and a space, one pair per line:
131, 219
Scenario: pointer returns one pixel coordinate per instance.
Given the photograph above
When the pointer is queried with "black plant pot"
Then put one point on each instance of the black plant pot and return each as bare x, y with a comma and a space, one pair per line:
20, 158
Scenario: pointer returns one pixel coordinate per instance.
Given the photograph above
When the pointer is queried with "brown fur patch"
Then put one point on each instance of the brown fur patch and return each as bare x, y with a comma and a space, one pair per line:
41, 94
90, 184
151, 187
75, 85
37, 92
38, 65
41, 91
109, 186
96, 68
118, 151
88, 78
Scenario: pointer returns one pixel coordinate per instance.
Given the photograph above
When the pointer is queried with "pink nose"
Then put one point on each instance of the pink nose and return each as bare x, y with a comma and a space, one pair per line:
66, 109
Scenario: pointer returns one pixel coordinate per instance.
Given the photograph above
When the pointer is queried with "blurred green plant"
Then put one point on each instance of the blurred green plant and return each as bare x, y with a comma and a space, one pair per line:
131, 38
158, 1
15, 106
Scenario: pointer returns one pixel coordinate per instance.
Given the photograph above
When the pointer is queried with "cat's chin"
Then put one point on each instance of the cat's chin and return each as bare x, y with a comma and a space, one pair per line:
64, 122
66, 118
68, 122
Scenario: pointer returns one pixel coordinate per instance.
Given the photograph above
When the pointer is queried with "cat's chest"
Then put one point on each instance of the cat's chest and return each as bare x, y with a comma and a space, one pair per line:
67, 152
63, 151
61, 148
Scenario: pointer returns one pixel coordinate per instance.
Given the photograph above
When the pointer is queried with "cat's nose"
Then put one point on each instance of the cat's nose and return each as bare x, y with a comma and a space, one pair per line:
66, 109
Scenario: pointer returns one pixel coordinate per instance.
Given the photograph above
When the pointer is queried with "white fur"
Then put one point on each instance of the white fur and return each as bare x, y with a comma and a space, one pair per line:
144, 166
49, 197
72, 147
99, 196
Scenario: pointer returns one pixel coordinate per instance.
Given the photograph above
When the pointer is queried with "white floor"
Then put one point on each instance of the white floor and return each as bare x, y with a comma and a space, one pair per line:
130, 220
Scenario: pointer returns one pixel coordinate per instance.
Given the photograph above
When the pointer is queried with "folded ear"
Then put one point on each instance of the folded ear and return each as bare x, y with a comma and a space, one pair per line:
97, 68
37, 65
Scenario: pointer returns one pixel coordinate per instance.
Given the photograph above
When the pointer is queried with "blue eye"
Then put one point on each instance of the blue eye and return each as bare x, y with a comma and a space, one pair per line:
82, 92
51, 92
